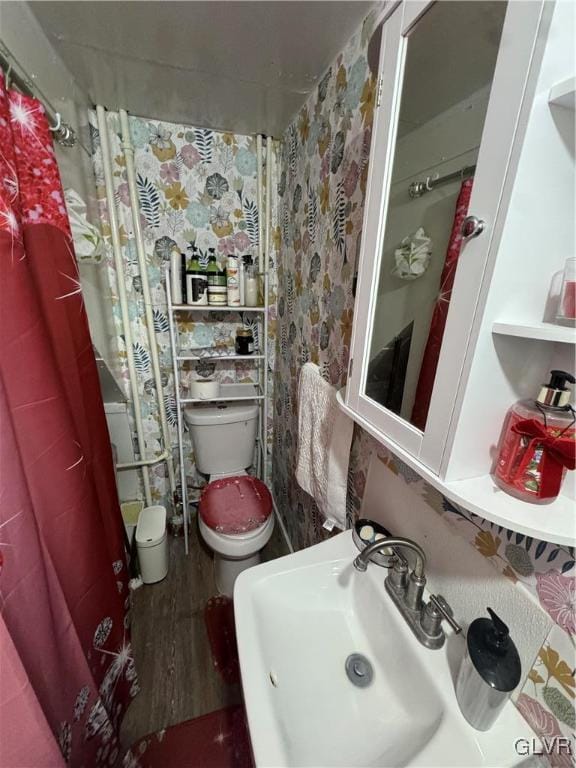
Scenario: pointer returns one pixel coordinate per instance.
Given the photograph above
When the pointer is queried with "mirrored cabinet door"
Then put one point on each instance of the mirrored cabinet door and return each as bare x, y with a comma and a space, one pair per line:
441, 116
438, 163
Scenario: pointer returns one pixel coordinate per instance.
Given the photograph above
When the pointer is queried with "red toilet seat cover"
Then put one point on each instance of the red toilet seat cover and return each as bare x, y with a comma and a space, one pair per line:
235, 504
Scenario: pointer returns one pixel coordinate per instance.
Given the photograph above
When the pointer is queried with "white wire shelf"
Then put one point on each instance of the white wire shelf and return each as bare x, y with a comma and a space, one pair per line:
208, 308
198, 358
189, 400
229, 393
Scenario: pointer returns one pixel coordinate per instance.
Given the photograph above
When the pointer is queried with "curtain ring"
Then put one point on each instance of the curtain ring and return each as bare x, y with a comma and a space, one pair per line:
7, 76
58, 126
430, 181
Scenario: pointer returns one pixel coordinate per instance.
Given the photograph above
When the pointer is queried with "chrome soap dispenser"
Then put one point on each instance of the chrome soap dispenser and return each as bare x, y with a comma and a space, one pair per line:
489, 672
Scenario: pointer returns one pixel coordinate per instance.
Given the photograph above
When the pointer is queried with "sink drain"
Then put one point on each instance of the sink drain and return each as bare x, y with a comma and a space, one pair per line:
359, 670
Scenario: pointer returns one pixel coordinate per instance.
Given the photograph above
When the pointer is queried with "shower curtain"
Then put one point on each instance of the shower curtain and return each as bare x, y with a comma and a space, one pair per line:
66, 670
438, 323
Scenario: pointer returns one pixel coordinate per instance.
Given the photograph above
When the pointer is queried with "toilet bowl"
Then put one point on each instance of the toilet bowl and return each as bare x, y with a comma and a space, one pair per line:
235, 520
235, 512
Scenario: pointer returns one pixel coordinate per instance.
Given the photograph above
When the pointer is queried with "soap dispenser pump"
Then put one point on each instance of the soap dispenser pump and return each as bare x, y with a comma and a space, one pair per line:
490, 670
538, 443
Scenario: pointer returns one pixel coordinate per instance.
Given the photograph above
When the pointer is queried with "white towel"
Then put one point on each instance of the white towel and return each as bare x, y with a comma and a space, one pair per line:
324, 438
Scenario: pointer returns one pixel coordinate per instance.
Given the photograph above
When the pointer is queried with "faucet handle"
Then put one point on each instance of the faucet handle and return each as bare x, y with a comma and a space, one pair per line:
446, 612
399, 559
399, 571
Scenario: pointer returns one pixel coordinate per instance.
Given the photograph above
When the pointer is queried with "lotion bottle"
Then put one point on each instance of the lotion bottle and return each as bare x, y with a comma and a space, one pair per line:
232, 276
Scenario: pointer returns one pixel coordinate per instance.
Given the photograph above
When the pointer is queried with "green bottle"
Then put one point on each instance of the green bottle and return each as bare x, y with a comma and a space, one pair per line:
216, 281
196, 283
212, 267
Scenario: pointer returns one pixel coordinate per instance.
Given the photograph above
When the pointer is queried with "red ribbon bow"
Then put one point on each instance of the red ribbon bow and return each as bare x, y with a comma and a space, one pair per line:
558, 453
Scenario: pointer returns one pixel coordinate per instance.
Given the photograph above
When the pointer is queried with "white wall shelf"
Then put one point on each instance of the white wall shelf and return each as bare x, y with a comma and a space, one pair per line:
208, 308
564, 94
541, 331
555, 522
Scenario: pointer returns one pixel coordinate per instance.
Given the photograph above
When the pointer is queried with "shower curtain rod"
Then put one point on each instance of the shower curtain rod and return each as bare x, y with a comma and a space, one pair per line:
419, 188
17, 76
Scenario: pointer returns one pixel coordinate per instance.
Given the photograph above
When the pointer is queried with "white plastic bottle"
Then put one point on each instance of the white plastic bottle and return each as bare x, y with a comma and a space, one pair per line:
241, 280
176, 277
233, 289
251, 286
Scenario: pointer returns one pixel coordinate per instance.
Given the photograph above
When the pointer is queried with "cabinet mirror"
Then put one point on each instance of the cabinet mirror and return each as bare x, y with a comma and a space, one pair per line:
449, 63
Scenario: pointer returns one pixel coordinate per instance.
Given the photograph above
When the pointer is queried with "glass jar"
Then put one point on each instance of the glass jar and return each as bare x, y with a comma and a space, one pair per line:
523, 467
244, 341
567, 306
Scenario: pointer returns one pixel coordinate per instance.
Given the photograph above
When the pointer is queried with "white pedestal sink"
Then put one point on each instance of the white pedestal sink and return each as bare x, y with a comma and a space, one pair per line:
297, 621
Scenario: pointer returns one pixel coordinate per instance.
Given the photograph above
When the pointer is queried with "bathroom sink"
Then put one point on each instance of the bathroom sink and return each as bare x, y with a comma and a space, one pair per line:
298, 619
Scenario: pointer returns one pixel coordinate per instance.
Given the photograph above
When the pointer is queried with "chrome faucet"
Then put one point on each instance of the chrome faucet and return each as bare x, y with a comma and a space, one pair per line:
406, 591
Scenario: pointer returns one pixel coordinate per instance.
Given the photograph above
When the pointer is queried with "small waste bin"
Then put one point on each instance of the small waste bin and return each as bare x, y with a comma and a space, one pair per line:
152, 543
130, 513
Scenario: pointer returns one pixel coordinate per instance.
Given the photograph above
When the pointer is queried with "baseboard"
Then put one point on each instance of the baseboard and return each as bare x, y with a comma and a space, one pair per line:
282, 526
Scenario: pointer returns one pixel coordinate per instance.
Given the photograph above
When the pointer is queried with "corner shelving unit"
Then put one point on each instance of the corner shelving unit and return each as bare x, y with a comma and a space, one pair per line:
254, 392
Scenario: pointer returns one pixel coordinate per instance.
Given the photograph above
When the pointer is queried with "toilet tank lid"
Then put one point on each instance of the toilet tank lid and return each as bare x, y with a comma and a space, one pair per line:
151, 526
220, 413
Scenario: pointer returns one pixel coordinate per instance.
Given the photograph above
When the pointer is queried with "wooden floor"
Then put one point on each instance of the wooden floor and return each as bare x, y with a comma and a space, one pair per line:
170, 643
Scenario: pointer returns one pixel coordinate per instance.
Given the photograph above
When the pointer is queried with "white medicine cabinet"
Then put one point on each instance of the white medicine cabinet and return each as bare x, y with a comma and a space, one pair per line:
433, 371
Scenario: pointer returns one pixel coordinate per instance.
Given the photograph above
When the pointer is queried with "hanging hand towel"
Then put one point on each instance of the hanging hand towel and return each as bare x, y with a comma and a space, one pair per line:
324, 438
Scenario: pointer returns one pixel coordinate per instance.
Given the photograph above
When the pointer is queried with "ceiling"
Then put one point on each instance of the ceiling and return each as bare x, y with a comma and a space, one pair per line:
242, 66
451, 54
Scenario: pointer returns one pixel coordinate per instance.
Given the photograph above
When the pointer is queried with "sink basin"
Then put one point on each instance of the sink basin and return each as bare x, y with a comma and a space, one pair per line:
298, 619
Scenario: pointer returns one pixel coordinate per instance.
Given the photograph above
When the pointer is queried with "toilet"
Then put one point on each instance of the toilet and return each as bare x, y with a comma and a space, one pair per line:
235, 512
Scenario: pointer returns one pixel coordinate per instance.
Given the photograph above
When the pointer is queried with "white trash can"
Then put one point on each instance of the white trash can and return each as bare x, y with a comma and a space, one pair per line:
152, 543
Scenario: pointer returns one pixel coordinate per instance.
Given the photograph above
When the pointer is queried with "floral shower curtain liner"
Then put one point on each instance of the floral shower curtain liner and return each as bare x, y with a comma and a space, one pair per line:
66, 674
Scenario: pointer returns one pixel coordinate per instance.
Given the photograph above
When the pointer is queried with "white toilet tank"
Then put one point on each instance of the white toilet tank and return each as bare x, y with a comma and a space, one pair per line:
223, 436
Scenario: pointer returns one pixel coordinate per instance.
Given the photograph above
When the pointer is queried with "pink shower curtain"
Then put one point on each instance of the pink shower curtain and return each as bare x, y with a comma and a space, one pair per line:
66, 670
438, 323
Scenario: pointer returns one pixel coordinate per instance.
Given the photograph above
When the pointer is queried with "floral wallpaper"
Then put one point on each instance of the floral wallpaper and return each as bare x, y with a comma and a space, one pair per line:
199, 186
324, 165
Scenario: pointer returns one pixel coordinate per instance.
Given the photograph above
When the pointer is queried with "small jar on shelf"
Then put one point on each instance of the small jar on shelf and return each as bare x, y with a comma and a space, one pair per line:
244, 341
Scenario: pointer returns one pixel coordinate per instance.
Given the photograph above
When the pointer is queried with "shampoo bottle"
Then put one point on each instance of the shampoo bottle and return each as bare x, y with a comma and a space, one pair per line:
538, 443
